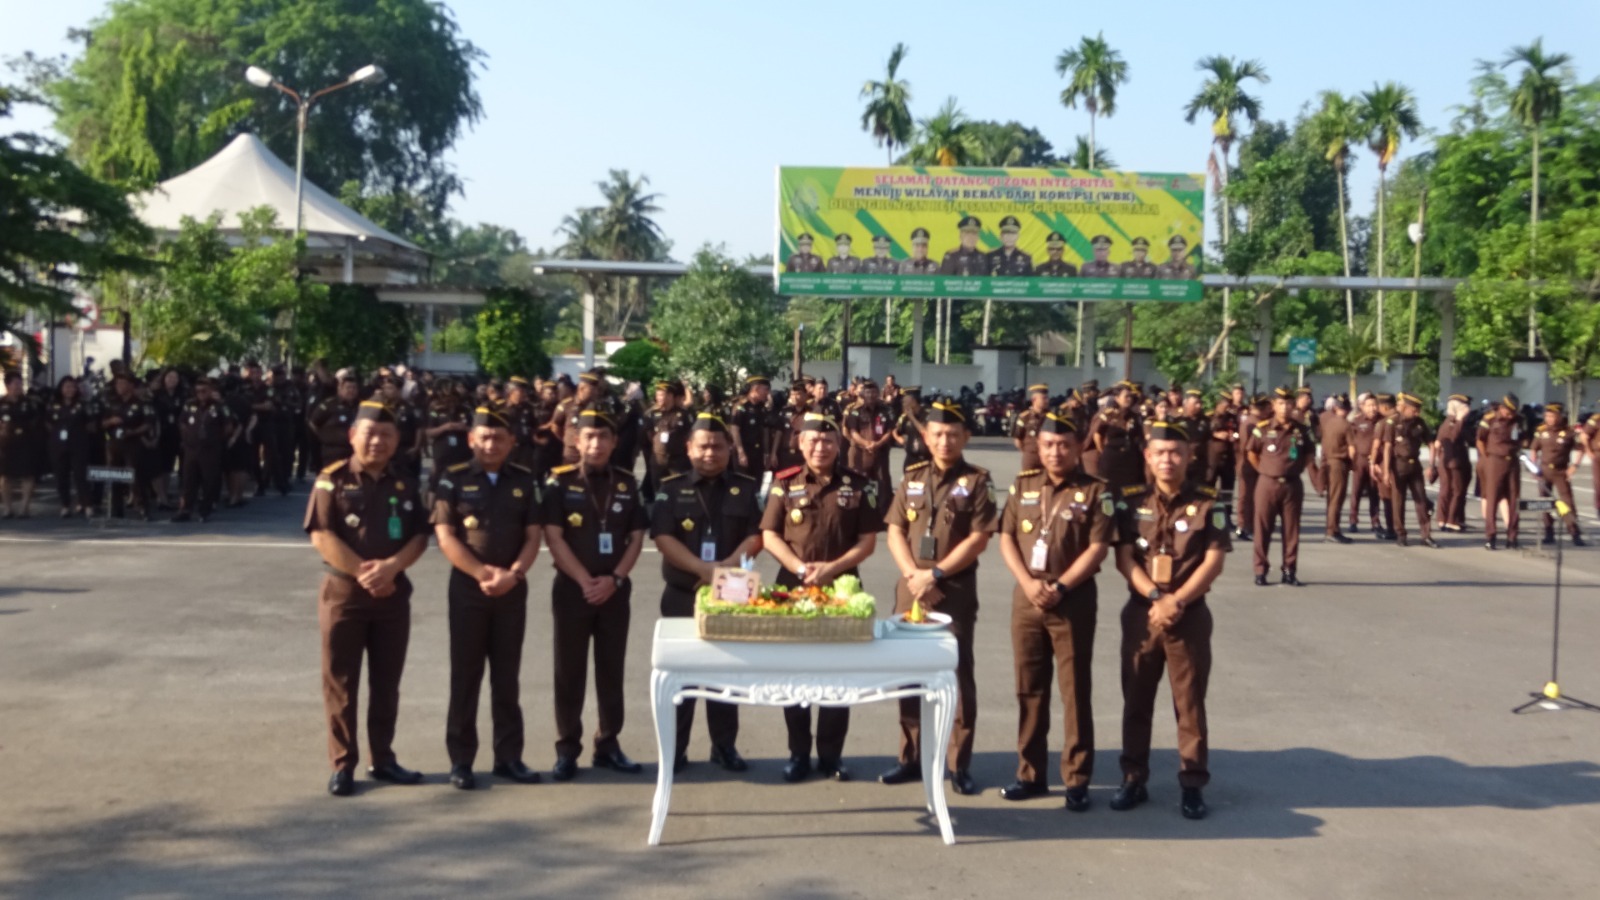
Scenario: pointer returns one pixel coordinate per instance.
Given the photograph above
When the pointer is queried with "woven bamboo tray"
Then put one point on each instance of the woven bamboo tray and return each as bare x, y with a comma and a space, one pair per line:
782, 629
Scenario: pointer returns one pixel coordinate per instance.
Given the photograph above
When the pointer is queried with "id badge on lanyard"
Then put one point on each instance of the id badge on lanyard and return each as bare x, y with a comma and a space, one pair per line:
708, 549
1040, 560
606, 548
1161, 568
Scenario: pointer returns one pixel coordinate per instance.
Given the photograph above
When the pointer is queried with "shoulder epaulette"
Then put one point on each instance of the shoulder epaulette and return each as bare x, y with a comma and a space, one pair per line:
1025, 472
1256, 430
459, 467
622, 472
1093, 477
562, 470
922, 465
744, 476
329, 470
980, 470
515, 467
787, 473
1205, 490
673, 476
1132, 489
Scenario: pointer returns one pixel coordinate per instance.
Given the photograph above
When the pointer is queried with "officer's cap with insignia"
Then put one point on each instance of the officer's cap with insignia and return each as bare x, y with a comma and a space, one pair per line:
1556, 408
1100, 240
489, 417
593, 376
1261, 400
1140, 243
1092, 384
1054, 424
754, 380
1055, 240
1168, 431
596, 417
881, 240
1410, 399
1302, 392
1511, 402
709, 422
914, 390
1195, 393
1010, 223
819, 422
1040, 388
946, 411
919, 235
373, 411
1461, 398
517, 381
804, 238
842, 237
969, 223
1282, 393
1384, 399
1177, 242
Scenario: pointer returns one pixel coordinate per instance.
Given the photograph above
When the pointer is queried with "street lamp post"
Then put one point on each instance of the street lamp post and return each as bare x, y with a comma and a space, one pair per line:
261, 78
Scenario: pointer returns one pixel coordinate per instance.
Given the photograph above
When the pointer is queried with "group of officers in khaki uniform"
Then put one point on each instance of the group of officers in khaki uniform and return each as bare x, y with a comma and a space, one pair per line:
819, 519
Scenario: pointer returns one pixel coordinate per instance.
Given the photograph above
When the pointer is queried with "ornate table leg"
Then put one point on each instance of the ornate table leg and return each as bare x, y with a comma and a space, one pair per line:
932, 778
662, 687
944, 723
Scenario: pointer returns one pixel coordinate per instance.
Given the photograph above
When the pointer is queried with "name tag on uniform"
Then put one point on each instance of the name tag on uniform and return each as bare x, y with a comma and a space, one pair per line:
914, 489
605, 543
1040, 559
708, 551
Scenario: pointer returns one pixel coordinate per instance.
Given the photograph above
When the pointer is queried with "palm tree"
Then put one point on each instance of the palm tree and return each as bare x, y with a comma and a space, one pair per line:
627, 228
1388, 115
1222, 95
943, 139
1537, 97
1085, 155
1350, 351
1093, 71
1334, 127
888, 112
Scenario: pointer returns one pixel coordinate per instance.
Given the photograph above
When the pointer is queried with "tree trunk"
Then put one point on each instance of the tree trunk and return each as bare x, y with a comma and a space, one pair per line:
988, 308
1227, 233
1381, 169
1091, 142
1344, 245
888, 320
1533, 251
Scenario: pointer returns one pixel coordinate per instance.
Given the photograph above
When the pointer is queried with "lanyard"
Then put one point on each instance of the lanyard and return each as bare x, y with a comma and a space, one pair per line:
1052, 510
603, 508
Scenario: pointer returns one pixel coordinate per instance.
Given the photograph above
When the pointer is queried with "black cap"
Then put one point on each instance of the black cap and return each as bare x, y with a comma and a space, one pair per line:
1100, 240
1177, 241
1168, 431
919, 234
805, 237
489, 417
1010, 223
819, 422
843, 237
1054, 424
1055, 240
596, 417
883, 239
709, 422
1282, 393
969, 222
1140, 243
373, 411
946, 411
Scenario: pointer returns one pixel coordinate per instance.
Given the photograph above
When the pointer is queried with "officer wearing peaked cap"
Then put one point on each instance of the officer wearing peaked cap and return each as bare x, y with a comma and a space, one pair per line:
1140, 266
1054, 266
880, 262
919, 263
1101, 265
1009, 260
803, 260
967, 259
1177, 267
1279, 449
842, 262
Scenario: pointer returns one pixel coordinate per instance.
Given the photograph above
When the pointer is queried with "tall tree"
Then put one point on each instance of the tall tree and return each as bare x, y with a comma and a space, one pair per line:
720, 322
1093, 71
888, 112
1086, 155
1222, 95
1537, 97
943, 139
1334, 127
159, 87
1388, 116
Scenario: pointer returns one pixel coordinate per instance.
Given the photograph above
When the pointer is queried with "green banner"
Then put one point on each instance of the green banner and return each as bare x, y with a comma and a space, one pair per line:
1022, 234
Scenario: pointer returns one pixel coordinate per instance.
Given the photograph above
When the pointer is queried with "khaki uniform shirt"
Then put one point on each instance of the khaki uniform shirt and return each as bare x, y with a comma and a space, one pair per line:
943, 507
822, 516
1065, 517
1184, 526
375, 514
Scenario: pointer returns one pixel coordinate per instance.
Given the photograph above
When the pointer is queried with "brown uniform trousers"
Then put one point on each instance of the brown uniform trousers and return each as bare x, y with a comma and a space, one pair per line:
1502, 480
1560, 482
485, 630
1452, 494
1275, 496
353, 623
1338, 479
577, 624
833, 722
1184, 650
960, 603
1414, 484
722, 719
1063, 636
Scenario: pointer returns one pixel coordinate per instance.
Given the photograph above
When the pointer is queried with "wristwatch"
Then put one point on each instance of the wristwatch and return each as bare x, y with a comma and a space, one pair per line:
938, 574
1154, 595
621, 580
800, 570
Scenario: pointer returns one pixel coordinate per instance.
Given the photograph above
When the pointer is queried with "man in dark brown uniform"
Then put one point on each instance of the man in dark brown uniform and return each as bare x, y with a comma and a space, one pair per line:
1453, 463
1552, 446
130, 427
448, 422
966, 259
595, 524
822, 521
1337, 453
910, 429
1025, 431
1305, 415
1402, 468
1223, 430
523, 417
330, 421
369, 525
1192, 413
1499, 441
1140, 266
1055, 532
564, 420
752, 426
1055, 267
667, 430
204, 425
1258, 410
803, 260
707, 517
1009, 260
1177, 267
1118, 439
1280, 448
1382, 435
486, 515
1172, 536
939, 524
1100, 266
869, 427
1363, 434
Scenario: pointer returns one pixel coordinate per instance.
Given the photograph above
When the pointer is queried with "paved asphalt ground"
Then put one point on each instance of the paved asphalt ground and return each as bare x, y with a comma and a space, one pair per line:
161, 736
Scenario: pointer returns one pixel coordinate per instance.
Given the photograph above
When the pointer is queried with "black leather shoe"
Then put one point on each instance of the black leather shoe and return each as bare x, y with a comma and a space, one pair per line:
461, 777
1078, 799
1548, 540
902, 773
565, 769
1243, 536
1401, 542
1024, 790
679, 763
617, 761
1430, 543
1355, 528
1261, 580
1513, 544
962, 781
180, 517
728, 758
1490, 545
832, 768
342, 783
1338, 538
1131, 794
1289, 579
394, 773
1578, 541
1193, 805
797, 769
516, 771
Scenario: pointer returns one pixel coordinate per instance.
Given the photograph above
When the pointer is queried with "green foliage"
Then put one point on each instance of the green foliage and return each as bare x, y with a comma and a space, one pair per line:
159, 87
943, 139
1222, 96
511, 334
888, 112
1007, 145
348, 325
60, 228
1093, 71
213, 300
643, 361
720, 322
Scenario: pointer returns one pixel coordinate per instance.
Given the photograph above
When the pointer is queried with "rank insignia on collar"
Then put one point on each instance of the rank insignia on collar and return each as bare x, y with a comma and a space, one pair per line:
575, 520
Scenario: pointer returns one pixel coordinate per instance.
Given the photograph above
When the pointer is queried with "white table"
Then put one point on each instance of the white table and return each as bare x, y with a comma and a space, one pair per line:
898, 664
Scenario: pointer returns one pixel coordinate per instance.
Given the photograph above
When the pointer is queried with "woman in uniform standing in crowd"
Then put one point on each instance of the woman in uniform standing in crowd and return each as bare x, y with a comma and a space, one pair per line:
168, 398
73, 422
19, 454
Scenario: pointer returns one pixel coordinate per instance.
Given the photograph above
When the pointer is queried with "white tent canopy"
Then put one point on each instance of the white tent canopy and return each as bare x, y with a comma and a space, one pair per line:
245, 175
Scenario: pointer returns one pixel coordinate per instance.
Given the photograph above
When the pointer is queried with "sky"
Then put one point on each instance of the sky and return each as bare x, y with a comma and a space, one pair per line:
707, 98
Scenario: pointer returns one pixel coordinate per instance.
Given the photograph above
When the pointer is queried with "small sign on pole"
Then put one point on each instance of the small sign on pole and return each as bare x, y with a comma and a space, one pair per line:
1302, 351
